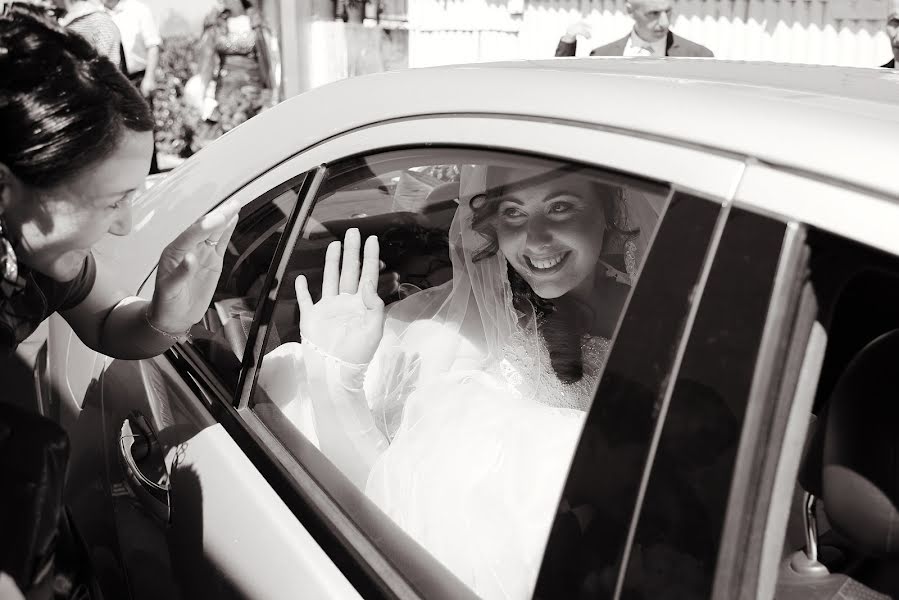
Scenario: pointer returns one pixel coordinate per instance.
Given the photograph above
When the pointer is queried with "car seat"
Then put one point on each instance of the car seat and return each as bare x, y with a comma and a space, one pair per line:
855, 454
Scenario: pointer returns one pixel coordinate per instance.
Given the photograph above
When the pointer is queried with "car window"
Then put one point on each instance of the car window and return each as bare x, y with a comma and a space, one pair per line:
503, 279
221, 337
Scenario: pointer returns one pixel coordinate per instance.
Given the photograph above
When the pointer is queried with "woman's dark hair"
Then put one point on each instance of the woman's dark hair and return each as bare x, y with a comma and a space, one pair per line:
63, 107
559, 329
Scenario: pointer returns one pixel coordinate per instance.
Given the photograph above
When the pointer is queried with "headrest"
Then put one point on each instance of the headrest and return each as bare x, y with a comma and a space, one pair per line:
860, 467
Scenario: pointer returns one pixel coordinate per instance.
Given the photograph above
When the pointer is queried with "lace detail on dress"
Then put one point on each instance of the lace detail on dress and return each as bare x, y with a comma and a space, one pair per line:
544, 387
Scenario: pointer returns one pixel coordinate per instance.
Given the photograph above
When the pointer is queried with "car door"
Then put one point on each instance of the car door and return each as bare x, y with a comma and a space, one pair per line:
718, 511
253, 508
834, 294
701, 407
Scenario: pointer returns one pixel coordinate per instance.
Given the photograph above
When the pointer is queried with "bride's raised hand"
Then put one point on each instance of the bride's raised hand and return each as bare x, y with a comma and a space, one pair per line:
348, 321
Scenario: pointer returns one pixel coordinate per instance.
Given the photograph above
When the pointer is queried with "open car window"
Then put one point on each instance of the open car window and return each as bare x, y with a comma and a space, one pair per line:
504, 280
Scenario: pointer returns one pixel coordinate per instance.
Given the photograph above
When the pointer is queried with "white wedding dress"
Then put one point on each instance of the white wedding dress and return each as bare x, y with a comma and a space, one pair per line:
459, 429
475, 471
475, 467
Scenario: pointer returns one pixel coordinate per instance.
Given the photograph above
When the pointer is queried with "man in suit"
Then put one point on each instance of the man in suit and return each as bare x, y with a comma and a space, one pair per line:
893, 32
649, 37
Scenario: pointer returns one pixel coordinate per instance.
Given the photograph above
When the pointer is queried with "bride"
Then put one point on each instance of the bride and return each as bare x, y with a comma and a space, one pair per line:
458, 409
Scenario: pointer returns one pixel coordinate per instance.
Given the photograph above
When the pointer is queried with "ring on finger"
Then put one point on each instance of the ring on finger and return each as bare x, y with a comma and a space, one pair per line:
209, 242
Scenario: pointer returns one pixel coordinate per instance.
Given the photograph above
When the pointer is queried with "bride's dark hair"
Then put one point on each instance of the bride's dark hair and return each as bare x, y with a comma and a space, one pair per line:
559, 329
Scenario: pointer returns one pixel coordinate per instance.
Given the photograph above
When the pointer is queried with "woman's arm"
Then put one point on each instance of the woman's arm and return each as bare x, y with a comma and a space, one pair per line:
111, 322
122, 326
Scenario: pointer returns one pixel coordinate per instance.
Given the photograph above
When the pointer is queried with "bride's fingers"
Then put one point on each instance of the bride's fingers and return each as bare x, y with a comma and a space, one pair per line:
304, 300
349, 270
371, 264
332, 266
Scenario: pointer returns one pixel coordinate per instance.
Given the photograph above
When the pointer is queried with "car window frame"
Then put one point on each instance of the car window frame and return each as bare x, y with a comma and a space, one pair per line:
338, 486
759, 478
687, 165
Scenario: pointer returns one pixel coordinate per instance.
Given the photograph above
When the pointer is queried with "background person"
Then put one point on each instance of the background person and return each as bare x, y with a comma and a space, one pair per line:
892, 30
140, 48
650, 36
235, 67
88, 19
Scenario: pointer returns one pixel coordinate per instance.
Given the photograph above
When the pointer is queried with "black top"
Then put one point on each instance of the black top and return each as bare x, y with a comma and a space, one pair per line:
25, 309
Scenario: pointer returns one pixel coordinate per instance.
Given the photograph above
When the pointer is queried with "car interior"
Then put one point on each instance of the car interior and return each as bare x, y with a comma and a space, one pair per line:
842, 540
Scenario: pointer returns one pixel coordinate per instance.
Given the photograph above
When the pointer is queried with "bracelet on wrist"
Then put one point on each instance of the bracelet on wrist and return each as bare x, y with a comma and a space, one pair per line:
175, 337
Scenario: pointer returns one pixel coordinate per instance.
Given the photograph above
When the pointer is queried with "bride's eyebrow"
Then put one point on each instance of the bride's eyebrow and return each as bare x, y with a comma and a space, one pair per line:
552, 196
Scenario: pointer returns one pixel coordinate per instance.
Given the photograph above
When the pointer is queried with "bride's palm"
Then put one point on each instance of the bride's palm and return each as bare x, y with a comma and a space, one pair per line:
348, 321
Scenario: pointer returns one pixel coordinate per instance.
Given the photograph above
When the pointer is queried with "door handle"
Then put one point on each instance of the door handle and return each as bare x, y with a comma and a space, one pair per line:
138, 444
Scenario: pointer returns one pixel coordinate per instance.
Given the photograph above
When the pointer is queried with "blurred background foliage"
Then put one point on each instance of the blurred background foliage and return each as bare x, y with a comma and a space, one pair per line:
180, 130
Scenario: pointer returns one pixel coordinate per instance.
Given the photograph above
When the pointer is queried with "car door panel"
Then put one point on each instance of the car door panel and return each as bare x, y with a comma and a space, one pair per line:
229, 534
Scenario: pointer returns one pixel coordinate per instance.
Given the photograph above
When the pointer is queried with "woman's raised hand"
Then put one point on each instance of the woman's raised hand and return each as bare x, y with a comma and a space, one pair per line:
348, 321
189, 269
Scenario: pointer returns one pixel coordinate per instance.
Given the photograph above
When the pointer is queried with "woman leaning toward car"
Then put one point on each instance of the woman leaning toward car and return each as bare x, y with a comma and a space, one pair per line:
76, 146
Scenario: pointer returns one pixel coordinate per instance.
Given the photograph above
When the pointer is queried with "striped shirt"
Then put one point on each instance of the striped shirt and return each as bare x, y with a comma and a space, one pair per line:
93, 24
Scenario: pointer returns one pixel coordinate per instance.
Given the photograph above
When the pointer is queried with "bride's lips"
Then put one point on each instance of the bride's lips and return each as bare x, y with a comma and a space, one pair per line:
548, 263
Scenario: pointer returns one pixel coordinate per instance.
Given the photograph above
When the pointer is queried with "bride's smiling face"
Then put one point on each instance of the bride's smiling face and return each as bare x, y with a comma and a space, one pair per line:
551, 232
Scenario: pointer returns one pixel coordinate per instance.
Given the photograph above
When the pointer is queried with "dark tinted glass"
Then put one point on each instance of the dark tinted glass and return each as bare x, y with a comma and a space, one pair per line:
588, 536
681, 520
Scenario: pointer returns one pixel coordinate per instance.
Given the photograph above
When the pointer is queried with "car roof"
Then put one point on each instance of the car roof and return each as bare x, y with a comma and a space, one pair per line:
837, 123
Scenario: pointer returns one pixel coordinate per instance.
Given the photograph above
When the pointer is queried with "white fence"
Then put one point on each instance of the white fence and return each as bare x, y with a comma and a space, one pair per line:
838, 32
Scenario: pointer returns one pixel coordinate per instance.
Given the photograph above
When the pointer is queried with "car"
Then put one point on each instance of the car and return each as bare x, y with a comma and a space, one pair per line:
741, 439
